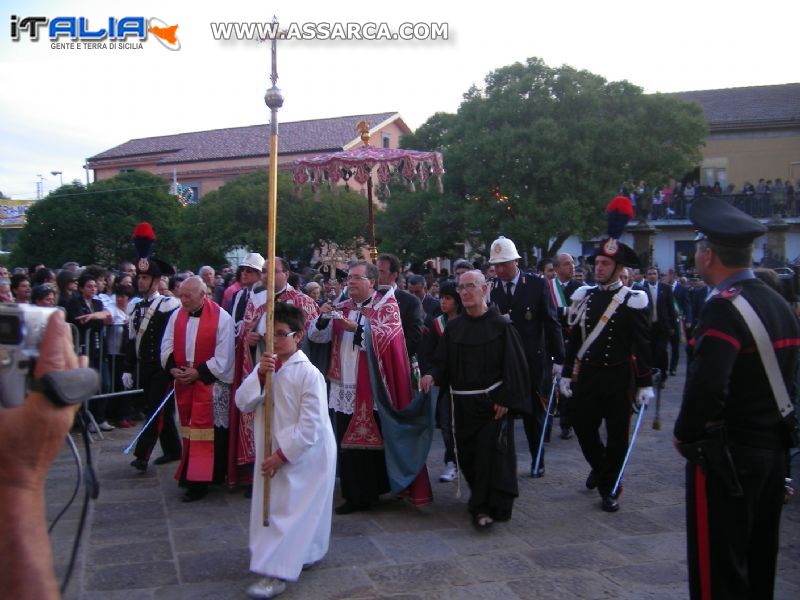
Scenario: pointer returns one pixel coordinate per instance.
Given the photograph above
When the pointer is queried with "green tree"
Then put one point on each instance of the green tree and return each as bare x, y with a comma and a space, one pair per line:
538, 151
94, 224
235, 216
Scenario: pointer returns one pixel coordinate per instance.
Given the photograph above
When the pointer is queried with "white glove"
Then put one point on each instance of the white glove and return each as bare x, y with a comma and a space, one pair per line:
127, 381
564, 387
557, 371
644, 395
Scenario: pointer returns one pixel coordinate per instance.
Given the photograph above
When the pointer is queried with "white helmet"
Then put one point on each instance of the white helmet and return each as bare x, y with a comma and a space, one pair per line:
253, 260
503, 250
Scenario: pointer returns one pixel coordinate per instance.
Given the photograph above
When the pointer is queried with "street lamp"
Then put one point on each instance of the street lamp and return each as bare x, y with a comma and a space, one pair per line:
60, 176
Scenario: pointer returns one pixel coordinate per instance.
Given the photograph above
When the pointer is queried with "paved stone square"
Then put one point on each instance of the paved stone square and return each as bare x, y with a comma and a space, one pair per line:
142, 542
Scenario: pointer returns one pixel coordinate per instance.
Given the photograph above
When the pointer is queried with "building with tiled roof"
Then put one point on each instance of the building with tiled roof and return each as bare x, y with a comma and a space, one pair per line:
754, 133
205, 160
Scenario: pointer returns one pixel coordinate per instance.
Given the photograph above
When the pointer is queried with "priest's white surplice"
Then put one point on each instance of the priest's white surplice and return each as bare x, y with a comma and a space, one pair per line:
301, 493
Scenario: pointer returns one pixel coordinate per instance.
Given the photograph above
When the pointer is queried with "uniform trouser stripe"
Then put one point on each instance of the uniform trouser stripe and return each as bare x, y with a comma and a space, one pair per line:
703, 550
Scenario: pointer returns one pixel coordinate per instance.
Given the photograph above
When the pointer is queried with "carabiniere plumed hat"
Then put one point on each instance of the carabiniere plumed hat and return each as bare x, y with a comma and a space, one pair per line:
719, 222
620, 211
143, 240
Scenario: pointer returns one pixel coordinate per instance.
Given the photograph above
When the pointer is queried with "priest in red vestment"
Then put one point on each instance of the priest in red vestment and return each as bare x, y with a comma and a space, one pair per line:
197, 351
367, 311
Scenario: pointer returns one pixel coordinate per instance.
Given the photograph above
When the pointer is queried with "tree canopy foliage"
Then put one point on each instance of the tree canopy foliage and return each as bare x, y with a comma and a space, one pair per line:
94, 224
538, 151
235, 215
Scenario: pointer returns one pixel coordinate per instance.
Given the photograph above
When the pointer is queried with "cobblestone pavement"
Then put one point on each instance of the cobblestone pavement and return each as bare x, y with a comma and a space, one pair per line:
141, 542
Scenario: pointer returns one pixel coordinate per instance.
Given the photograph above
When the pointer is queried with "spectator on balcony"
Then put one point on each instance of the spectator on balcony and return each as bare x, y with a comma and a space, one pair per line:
791, 210
779, 197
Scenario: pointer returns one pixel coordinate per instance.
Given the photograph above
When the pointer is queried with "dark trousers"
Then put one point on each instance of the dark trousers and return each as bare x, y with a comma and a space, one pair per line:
659, 340
155, 382
732, 543
603, 394
674, 349
362, 473
533, 425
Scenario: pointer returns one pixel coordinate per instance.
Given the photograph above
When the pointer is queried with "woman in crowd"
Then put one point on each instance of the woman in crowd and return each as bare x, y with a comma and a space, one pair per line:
88, 314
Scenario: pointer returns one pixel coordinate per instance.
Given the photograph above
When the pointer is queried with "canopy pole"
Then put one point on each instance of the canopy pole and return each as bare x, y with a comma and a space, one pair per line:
274, 101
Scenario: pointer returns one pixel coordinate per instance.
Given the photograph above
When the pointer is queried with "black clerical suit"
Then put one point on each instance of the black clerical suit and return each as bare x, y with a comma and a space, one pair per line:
533, 314
733, 541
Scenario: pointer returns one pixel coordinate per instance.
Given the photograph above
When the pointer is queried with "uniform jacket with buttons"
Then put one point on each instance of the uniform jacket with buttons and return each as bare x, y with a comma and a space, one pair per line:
624, 339
150, 345
533, 314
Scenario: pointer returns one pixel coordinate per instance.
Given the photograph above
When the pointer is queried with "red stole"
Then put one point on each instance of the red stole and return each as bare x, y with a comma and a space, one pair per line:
194, 401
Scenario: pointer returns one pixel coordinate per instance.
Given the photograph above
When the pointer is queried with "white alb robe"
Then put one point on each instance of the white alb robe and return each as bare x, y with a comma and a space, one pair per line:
301, 493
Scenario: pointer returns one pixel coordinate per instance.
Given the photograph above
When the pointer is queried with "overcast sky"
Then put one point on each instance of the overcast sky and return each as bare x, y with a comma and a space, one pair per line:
59, 107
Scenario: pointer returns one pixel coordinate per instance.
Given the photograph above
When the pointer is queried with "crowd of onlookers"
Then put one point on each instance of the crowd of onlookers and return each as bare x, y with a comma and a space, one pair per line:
765, 198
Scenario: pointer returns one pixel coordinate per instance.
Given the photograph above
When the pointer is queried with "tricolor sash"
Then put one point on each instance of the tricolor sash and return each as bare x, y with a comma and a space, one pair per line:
557, 293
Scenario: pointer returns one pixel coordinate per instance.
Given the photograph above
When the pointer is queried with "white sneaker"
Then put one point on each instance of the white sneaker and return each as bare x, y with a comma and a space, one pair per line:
450, 472
106, 426
268, 587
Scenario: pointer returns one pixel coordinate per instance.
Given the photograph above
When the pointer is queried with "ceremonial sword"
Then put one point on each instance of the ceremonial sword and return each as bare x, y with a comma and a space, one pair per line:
150, 420
538, 460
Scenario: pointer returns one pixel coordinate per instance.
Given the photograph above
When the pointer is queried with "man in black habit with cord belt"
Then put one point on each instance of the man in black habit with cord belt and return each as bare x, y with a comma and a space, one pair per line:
480, 357
737, 420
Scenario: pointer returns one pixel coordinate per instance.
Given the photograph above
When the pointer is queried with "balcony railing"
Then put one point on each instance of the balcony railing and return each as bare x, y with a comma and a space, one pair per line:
760, 206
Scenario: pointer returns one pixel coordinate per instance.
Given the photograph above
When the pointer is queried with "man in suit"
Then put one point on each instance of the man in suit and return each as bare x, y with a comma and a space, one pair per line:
412, 316
526, 300
419, 287
698, 294
662, 319
680, 291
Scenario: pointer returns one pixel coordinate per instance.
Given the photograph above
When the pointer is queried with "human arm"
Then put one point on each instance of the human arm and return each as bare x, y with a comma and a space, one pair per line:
30, 438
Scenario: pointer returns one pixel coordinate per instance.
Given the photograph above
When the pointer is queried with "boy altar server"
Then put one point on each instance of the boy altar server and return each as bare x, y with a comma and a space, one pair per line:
301, 462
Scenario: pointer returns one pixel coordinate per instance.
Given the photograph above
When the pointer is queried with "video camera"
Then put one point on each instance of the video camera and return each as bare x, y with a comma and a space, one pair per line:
21, 329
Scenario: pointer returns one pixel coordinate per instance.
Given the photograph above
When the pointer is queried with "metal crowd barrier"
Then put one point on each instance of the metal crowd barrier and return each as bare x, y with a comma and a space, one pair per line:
106, 351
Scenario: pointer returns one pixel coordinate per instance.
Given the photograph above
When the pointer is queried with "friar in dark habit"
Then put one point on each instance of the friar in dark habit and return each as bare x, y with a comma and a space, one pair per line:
481, 360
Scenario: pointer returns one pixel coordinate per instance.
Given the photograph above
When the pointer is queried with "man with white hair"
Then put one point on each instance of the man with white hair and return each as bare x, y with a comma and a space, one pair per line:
481, 359
197, 351
207, 274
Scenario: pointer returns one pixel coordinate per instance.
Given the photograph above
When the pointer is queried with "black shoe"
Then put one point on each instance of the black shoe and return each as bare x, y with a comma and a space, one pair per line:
140, 464
167, 458
566, 433
591, 481
193, 495
609, 504
350, 507
537, 474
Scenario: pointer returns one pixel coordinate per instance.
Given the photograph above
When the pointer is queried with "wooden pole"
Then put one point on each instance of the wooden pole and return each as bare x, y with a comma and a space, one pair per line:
274, 101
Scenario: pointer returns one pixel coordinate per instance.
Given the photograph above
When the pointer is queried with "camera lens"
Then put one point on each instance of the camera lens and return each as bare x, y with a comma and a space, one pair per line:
10, 330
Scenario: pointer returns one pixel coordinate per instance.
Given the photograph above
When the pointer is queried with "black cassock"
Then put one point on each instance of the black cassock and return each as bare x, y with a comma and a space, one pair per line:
475, 353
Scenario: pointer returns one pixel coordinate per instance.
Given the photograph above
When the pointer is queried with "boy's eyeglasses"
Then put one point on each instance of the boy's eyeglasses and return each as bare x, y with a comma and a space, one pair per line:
284, 335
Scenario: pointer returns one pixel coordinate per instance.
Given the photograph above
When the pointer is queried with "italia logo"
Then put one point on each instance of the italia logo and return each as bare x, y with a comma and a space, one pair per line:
111, 32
